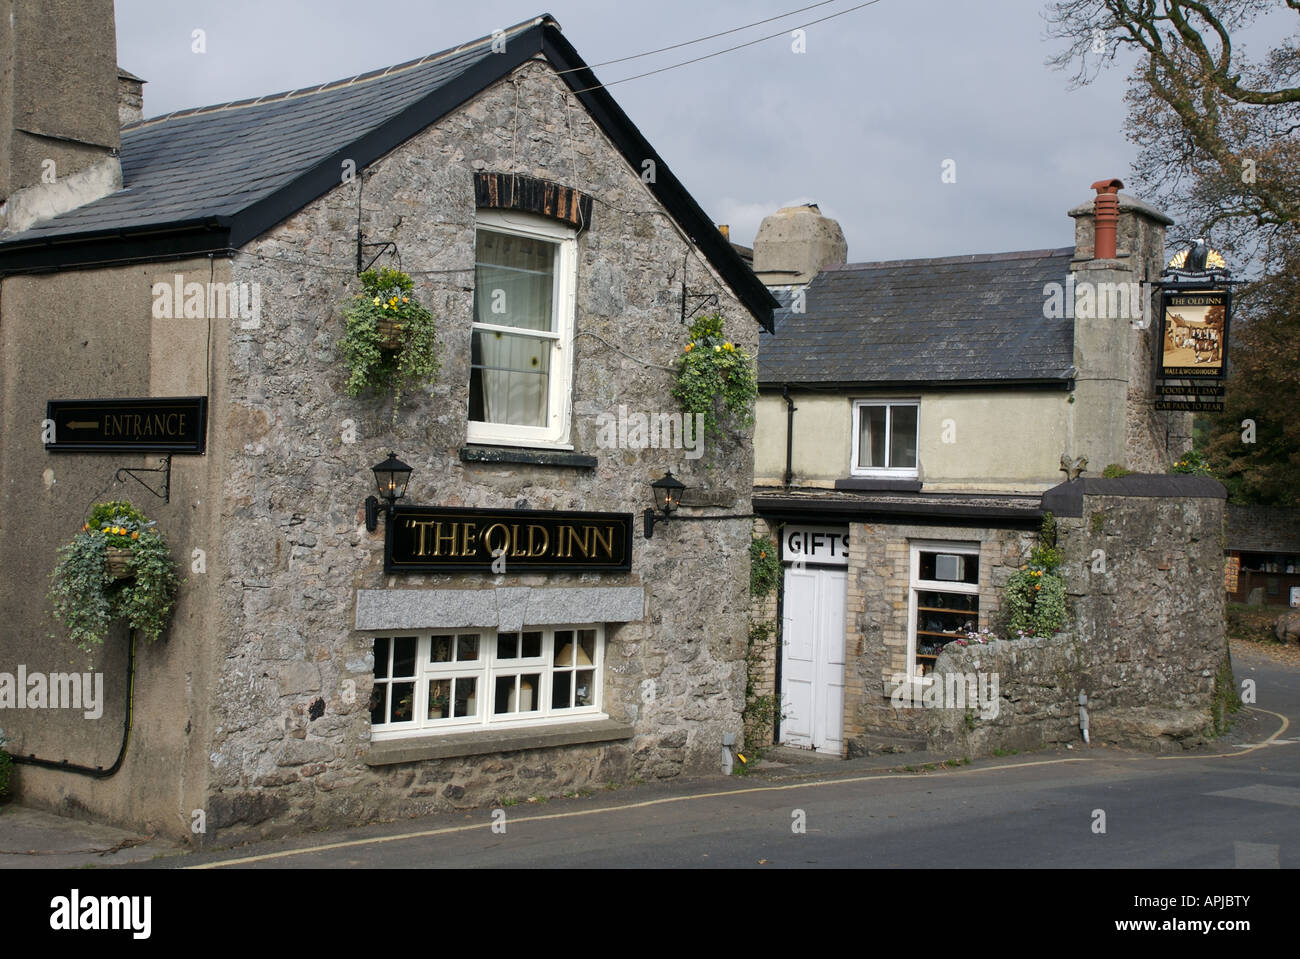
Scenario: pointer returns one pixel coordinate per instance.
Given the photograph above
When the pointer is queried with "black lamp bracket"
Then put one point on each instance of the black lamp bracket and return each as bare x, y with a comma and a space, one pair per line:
165, 469
651, 517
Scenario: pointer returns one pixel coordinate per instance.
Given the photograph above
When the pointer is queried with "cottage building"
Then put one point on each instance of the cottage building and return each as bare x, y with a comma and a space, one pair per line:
913, 414
307, 677
1263, 555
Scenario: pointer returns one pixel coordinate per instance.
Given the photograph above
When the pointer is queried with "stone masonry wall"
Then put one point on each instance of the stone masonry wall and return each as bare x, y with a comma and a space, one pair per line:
879, 580
1145, 641
293, 530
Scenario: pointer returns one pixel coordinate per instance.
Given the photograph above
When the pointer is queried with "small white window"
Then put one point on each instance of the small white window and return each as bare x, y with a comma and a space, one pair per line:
464, 680
521, 349
884, 438
943, 600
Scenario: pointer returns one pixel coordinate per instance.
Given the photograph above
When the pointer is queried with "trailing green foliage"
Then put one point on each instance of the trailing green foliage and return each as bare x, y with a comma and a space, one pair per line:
1225, 700
1035, 595
714, 373
1192, 463
761, 710
387, 295
87, 598
764, 568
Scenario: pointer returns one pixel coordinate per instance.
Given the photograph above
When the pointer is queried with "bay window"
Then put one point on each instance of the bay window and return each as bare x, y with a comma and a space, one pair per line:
461, 680
521, 345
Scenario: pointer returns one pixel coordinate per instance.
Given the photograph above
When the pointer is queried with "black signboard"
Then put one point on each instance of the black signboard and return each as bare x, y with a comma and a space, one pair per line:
435, 539
1191, 406
1191, 389
176, 424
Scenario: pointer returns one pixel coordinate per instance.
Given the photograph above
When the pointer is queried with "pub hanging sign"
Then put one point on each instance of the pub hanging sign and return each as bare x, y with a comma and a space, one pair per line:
138, 425
436, 539
1192, 347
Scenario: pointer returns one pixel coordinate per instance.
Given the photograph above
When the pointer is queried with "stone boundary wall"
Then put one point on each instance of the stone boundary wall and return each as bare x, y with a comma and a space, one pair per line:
1143, 564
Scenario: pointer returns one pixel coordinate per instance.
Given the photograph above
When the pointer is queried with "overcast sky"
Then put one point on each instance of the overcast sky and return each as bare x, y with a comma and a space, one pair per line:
860, 123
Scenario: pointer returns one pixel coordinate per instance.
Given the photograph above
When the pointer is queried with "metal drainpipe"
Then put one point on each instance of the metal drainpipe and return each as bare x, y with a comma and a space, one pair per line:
789, 434
97, 772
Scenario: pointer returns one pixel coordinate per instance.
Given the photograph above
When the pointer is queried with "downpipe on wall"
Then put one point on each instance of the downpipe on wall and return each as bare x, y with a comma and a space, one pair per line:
1083, 716
97, 772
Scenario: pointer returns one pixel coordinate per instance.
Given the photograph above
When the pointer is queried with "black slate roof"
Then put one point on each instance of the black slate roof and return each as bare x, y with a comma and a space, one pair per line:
958, 321
211, 179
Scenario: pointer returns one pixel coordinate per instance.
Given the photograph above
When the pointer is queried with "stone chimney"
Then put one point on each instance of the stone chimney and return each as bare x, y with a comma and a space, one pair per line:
1119, 245
59, 117
796, 242
130, 97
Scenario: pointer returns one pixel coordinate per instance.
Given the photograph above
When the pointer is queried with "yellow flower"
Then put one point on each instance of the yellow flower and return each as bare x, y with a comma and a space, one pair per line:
729, 347
376, 301
717, 349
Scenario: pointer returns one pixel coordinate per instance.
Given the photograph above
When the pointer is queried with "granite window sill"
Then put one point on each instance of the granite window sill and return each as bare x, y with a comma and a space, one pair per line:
490, 741
528, 457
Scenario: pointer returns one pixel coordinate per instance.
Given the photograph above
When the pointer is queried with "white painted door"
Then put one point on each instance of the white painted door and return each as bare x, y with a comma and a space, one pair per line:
812, 664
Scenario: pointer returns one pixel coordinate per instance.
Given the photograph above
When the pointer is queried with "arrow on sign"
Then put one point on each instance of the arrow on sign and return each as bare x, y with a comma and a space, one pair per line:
83, 424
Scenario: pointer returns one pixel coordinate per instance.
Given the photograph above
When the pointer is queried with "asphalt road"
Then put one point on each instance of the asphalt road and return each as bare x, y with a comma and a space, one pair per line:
1233, 805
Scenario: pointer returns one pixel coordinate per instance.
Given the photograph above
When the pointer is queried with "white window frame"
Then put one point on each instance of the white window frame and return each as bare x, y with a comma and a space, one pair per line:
487, 670
916, 585
564, 291
884, 472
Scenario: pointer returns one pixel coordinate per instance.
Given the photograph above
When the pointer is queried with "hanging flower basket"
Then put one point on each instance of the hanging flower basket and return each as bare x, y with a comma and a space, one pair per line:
389, 344
390, 334
117, 567
715, 378
118, 562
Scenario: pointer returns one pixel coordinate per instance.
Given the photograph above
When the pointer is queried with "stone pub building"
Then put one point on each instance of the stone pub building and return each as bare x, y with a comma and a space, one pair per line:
311, 675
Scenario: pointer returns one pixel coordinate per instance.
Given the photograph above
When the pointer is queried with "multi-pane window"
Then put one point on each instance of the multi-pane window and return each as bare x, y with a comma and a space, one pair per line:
884, 437
463, 679
944, 602
521, 338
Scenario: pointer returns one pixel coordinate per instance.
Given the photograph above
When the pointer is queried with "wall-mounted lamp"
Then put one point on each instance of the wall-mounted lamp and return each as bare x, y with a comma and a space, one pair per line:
668, 496
391, 477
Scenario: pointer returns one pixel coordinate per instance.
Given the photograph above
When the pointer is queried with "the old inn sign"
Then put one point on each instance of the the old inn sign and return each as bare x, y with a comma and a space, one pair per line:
433, 539
143, 425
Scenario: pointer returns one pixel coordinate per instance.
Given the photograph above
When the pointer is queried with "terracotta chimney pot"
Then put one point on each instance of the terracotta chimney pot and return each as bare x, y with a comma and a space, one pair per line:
1106, 206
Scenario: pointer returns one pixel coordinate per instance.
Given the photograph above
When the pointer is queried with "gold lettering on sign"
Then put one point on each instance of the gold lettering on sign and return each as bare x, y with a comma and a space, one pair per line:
584, 545
422, 525
467, 538
606, 541
533, 548
515, 549
493, 547
439, 539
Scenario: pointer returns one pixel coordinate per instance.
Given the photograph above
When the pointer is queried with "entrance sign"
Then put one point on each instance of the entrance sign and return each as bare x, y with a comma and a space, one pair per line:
139, 425
436, 539
815, 545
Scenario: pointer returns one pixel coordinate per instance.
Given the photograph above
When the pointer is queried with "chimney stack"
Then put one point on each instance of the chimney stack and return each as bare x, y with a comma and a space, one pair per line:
130, 97
795, 243
59, 121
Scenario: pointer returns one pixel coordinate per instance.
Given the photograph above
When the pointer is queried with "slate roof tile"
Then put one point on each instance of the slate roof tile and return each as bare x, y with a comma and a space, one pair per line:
954, 320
